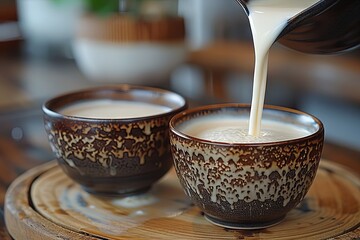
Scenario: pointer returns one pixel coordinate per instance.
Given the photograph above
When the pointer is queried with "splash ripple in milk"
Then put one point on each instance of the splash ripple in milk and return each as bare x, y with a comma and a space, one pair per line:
267, 19
112, 109
234, 129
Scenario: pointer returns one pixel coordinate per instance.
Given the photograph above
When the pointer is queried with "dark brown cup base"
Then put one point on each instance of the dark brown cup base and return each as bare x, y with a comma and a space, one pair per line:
243, 226
117, 194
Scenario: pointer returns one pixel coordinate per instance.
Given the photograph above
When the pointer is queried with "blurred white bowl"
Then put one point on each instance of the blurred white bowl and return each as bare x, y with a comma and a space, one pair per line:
136, 63
129, 49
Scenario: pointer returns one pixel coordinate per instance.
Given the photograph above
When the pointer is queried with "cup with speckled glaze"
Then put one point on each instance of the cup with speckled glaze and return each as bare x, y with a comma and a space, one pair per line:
248, 185
113, 140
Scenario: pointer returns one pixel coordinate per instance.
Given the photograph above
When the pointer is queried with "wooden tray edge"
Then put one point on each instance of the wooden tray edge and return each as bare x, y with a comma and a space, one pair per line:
22, 221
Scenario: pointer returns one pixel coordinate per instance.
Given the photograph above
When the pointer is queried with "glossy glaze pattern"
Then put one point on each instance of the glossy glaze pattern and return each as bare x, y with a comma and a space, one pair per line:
245, 183
110, 149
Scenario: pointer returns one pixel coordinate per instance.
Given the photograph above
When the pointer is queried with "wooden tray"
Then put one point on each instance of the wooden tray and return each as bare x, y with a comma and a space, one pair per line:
45, 204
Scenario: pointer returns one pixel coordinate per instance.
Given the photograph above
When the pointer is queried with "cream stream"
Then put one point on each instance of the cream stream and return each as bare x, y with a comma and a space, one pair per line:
267, 19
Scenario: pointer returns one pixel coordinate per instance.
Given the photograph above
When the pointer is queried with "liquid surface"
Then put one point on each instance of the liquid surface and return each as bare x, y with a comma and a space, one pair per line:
267, 19
233, 129
111, 109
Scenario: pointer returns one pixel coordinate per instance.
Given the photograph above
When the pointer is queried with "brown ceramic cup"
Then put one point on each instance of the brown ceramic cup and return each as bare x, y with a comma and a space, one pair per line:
245, 185
113, 155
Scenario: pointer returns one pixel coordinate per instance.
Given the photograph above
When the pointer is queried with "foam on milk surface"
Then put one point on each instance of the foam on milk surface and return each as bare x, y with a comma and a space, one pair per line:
110, 109
232, 129
267, 19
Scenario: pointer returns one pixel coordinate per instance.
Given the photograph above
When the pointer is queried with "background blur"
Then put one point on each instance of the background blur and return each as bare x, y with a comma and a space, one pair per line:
42, 54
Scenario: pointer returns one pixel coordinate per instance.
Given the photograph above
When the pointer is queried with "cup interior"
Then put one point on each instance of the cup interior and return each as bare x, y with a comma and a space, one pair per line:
214, 114
140, 94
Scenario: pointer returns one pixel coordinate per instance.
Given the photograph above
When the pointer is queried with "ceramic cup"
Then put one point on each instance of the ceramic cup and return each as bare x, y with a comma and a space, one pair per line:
122, 154
245, 185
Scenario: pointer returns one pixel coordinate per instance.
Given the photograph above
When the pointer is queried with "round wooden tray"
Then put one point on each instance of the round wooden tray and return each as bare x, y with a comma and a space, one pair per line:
45, 204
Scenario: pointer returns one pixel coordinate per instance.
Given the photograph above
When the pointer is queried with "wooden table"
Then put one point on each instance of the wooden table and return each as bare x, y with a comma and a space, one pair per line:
20, 152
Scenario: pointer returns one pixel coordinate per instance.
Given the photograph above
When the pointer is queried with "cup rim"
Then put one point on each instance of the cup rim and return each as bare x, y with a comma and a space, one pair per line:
51, 106
175, 118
